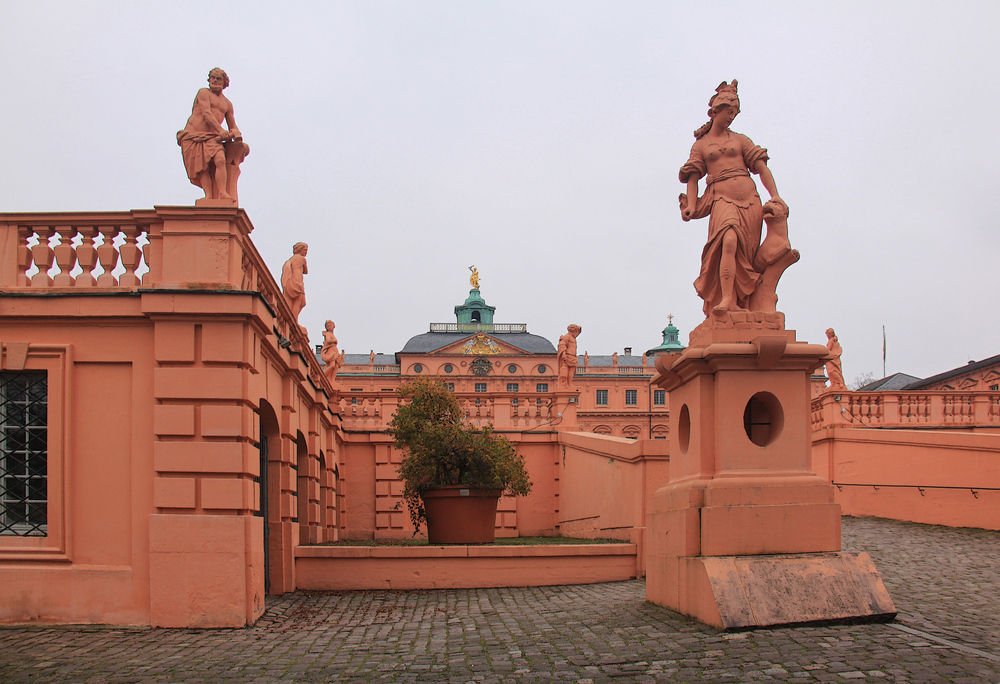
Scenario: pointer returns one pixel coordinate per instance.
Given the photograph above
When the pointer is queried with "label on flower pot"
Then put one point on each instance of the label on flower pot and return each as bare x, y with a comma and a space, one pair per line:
463, 492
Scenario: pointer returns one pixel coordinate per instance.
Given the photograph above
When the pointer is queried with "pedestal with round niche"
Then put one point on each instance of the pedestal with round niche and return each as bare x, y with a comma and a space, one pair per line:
746, 534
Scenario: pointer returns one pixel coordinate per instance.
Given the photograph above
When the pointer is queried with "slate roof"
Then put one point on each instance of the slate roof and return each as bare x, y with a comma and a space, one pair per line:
954, 372
432, 341
364, 359
896, 381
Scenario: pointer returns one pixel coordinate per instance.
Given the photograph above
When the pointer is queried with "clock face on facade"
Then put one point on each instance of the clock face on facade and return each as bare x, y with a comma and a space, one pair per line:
481, 366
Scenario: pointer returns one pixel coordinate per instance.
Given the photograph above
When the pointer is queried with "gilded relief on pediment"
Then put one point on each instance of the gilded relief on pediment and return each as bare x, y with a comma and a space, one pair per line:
480, 345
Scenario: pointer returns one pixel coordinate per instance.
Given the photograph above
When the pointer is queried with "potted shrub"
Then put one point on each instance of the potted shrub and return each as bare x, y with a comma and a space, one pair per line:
453, 473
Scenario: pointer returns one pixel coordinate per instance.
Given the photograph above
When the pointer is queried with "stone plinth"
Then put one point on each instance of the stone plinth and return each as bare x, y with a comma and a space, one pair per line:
746, 534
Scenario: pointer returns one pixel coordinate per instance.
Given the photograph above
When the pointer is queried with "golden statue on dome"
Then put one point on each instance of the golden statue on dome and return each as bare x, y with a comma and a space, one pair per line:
474, 278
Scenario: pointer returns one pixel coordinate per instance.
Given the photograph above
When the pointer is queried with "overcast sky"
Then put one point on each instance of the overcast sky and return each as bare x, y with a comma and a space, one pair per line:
540, 141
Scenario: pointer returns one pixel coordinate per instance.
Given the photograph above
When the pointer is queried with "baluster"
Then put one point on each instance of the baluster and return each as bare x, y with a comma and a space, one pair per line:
86, 255
65, 257
108, 256
24, 259
246, 282
130, 254
43, 255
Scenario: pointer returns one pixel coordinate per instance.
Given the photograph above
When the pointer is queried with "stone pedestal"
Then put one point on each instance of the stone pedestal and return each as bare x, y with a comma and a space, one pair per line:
746, 535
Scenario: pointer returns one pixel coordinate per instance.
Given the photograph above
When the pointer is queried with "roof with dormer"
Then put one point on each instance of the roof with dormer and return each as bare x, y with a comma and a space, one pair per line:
433, 341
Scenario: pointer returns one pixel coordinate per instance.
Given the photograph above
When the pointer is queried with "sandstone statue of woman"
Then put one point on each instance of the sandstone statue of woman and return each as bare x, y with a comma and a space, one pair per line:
728, 273
834, 369
332, 357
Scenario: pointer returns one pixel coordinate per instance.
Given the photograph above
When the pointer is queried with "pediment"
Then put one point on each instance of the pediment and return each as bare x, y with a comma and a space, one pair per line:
479, 344
968, 383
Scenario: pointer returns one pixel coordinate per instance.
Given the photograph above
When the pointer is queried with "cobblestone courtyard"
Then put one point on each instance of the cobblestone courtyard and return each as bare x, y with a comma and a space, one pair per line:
945, 582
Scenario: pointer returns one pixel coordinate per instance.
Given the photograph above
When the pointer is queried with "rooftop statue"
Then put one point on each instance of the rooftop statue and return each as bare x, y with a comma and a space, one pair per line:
738, 272
212, 154
474, 278
566, 358
332, 357
834, 369
293, 285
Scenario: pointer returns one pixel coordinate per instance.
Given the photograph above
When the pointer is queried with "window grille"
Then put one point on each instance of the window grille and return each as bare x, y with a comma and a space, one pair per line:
602, 397
24, 454
631, 397
659, 397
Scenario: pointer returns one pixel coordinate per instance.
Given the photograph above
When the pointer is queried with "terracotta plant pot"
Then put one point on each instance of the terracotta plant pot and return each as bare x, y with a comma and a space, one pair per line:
457, 514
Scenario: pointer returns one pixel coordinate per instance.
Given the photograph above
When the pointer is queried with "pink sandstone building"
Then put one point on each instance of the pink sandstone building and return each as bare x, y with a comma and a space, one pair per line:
172, 450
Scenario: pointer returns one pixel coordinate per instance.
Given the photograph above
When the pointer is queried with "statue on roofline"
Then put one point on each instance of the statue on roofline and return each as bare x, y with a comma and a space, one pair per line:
331, 355
474, 278
738, 271
293, 285
213, 154
834, 367
566, 358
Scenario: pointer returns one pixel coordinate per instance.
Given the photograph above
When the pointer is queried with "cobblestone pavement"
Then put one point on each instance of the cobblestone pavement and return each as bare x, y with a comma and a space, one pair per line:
945, 582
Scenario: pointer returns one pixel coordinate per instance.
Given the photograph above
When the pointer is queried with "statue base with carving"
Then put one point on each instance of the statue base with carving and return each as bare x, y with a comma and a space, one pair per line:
746, 534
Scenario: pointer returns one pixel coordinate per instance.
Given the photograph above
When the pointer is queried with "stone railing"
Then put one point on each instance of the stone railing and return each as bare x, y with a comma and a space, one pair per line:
480, 327
79, 250
166, 248
368, 369
614, 370
373, 412
941, 410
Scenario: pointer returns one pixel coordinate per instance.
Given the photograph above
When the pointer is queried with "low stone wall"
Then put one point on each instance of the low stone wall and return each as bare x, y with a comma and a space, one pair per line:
343, 568
935, 477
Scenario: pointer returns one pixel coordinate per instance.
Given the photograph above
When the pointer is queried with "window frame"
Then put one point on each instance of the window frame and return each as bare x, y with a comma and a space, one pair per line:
659, 397
27, 432
599, 395
56, 360
633, 395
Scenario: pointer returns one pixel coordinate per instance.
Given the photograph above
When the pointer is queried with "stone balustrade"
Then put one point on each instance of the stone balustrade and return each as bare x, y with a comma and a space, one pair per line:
363, 411
166, 248
939, 410
80, 250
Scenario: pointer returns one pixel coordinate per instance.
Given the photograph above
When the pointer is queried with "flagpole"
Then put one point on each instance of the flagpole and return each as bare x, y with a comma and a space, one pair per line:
883, 351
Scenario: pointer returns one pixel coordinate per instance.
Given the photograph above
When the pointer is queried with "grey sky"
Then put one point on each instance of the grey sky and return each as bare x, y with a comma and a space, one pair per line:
540, 141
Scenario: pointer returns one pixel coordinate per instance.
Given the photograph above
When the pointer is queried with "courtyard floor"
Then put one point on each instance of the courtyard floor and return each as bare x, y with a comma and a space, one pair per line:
945, 583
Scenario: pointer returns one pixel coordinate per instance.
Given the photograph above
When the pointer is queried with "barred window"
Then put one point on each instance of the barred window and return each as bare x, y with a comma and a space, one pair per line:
659, 397
23, 454
602, 397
